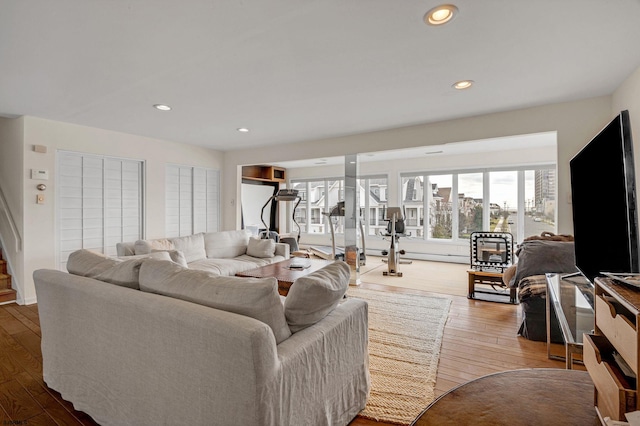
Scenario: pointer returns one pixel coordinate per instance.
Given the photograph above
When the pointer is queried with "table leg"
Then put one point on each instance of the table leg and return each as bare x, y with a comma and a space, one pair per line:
472, 285
548, 316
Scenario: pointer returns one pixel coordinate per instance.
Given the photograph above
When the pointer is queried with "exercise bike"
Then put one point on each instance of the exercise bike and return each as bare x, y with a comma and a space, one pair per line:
395, 230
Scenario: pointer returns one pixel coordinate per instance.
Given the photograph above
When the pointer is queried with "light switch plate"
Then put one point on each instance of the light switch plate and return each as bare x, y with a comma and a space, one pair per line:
40, 174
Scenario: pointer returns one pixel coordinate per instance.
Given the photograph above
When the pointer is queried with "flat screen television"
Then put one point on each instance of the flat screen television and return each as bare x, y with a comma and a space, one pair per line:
605, 219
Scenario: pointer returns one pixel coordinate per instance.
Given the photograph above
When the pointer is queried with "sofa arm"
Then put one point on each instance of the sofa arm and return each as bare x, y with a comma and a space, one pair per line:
508, 276
283, 249
328, 361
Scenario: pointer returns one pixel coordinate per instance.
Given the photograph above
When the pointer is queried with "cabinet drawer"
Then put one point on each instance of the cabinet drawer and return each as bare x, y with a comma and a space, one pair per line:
615, 395
619, 329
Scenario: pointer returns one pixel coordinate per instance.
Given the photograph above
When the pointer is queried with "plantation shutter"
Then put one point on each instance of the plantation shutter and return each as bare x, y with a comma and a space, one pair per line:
192, 200
99, 203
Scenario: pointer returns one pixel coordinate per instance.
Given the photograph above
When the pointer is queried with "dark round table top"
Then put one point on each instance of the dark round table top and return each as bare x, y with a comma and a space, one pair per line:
538, 396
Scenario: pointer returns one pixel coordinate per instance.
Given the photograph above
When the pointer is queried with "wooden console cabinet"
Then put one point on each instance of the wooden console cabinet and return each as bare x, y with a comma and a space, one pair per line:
611, 353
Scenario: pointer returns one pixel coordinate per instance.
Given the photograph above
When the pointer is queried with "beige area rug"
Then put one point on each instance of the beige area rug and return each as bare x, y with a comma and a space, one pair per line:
405, 336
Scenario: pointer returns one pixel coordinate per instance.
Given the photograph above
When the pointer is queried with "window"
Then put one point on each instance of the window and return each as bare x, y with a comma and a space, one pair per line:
520, 201
301, 211
373, 199
413, 204
440, 206
192, 200
470, 203
316, 206
99, 203
323, 195
540, 201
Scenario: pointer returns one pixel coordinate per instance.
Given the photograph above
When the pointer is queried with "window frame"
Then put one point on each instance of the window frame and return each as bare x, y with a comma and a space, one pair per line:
456, 239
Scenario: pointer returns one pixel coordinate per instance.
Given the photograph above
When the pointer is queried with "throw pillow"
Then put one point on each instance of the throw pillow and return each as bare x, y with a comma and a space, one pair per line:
147, 246
192, 246
261, 248
252, 297
314, 296
537, 257
175, 255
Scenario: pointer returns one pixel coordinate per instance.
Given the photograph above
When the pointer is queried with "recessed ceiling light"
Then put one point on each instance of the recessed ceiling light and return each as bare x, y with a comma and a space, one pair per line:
162, 107
242, 130
433, 152
440, 15
462, 84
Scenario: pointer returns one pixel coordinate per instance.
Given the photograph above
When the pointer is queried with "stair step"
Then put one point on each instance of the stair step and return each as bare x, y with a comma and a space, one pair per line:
5, 281
3, 266
8, 295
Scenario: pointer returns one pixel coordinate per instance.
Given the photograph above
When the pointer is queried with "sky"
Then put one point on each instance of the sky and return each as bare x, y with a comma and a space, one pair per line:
503, 186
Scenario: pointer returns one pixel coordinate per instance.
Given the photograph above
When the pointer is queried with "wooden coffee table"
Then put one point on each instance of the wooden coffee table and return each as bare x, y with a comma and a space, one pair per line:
562, 397
283, 274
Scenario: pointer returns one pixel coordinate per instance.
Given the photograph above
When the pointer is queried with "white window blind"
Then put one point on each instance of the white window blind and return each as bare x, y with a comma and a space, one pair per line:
192, 200
99, 203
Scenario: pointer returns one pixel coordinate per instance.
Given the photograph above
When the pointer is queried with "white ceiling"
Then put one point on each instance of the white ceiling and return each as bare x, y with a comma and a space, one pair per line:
294, 70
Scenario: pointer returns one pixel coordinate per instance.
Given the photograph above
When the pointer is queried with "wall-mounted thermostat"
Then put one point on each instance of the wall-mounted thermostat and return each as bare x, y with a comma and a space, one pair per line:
40, 174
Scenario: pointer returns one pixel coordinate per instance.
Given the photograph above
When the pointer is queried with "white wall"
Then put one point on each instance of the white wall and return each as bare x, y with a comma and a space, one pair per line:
40, 234
627, 96
11, 181
574, 122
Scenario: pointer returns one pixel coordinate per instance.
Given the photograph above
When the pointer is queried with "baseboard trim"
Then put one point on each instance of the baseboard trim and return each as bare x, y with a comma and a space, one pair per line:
29, 301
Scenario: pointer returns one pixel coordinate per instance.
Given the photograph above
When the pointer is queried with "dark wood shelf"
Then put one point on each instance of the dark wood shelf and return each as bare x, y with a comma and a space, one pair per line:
264, 173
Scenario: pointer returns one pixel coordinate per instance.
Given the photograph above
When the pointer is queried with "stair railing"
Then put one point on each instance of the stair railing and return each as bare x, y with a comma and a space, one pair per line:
8, 218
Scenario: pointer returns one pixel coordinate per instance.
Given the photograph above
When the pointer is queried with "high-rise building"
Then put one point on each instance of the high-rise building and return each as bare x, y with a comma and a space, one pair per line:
545, 181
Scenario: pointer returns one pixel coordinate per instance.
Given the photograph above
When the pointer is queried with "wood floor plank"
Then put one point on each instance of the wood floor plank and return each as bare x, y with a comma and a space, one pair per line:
10, 323
41, 420
17, 402
24, 315
19, 354
31, 342
56, 410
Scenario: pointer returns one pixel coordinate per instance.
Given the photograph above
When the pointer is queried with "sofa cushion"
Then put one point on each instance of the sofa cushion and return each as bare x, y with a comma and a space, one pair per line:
111, 270
124, 274
147, 246
175, 255
314, 296
88, 263
230, 267
253, 297
538, 257
225, 244
261, 248
192, 246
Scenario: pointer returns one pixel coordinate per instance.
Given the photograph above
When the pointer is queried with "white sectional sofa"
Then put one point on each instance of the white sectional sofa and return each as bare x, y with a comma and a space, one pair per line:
149, 342
221, 253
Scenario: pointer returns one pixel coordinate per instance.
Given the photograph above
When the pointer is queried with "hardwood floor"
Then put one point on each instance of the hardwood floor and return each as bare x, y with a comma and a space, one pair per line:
479, 338
24, 397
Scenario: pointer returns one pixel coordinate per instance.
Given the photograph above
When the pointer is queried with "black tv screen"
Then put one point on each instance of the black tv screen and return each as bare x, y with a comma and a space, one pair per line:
603, 193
